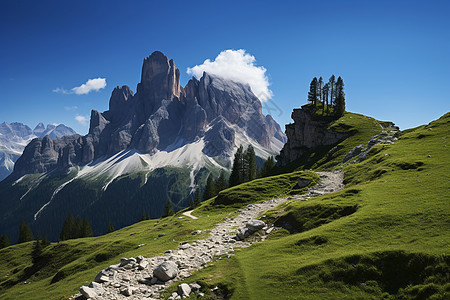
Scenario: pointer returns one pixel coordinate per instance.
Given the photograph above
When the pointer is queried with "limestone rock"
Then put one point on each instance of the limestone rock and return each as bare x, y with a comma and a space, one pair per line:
88, 292
166, 271
306, 133
184, 290
255, 225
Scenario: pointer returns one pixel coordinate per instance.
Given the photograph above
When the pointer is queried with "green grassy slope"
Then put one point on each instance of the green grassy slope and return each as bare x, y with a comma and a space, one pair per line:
386, 235
64, 267
392, 243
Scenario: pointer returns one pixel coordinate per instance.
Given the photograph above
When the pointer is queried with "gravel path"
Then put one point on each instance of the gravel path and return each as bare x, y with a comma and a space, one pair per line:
133, 279
189, 214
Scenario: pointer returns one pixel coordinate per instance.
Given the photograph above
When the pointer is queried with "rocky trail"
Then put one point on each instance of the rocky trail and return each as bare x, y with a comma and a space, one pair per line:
147, 278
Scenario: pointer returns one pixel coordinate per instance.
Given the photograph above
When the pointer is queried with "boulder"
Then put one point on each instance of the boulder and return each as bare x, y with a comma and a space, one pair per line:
255, 225
128, 291
143, 264
184, 290
195, 286
354, 152
87, 292
166, 271
185, 246
240, 234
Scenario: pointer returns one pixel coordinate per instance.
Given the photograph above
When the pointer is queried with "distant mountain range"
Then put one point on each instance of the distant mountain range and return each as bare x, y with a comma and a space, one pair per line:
15, 136
156, 144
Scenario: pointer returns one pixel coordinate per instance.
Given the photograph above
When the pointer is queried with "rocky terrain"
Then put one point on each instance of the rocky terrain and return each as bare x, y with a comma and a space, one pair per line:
162, 115
147, 278
15, 136
306, 133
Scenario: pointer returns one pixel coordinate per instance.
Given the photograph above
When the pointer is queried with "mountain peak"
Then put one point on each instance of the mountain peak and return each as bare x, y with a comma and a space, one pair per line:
160, 77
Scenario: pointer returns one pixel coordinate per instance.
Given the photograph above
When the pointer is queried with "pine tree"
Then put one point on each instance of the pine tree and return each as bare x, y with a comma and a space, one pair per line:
142, 217
4, 241
45, 242
25, 233
250, 163
312, 95
37, 248
340, 100
110, 227
198, 197
168, 210
268, 165
69, 229
86, 229
210, 188
332, 82
78, 228
320, 88
236, 171
326, 90
221, 182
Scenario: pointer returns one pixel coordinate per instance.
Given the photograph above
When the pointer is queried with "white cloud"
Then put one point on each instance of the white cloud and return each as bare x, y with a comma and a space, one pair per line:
239, 66
95, 84
61, 90
90, 85
71, 107
83, 120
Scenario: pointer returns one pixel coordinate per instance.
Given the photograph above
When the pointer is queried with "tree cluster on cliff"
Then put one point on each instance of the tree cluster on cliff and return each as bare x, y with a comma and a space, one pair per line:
329, 98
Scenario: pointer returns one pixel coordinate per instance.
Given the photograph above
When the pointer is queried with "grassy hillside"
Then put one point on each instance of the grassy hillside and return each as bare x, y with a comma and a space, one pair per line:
63, 267
386, 235
360, 129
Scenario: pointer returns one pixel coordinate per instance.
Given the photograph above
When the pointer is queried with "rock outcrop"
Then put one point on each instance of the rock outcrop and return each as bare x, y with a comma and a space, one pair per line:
14, 137
162, 115
306, 133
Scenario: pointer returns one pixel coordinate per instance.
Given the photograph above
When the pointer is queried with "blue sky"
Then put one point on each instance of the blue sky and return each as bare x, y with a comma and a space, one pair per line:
392, 55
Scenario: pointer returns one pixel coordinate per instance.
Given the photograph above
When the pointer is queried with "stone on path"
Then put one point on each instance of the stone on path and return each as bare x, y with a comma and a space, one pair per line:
87, 292
184, 290
255, 225
166, 271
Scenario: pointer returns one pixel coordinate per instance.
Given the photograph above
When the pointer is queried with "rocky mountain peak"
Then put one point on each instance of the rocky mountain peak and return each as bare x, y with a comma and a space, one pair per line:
160, 78
163, 116
39, 127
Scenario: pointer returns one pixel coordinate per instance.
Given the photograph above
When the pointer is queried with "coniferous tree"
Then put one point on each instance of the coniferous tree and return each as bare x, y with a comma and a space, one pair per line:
86, 229
268, 165
250, 164
210, 188
37, 248
221, 182
143, 217
312, 95
4, 241
340, 97
326, 90
198, 197
168, 210
68, 229
45, 242
78, 232
320, 88
236, 172
110, 227
25, 233
332, 83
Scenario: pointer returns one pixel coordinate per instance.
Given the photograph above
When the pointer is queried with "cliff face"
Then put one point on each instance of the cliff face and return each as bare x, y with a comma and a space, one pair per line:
162, 116
306, 133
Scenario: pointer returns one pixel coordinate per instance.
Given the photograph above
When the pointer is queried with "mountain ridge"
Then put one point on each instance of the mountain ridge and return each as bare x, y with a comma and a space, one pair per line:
15, 136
